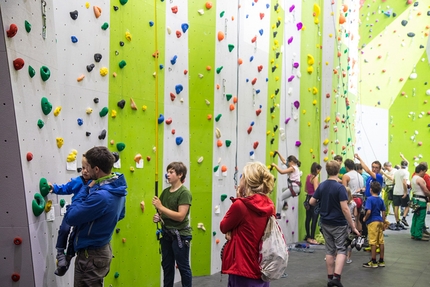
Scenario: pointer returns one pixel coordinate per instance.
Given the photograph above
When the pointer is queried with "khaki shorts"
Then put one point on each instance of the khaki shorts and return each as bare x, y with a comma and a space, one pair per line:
375, 231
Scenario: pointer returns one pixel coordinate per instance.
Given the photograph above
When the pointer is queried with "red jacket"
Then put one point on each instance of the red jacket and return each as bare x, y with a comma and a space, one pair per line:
246, 219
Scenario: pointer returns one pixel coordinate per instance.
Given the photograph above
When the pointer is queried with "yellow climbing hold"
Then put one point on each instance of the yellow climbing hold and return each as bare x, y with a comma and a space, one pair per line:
268, 132
89, 111
316, 21
276, 78
87, 5
104, 71
60, 142
314, 102
325, 142
310, 70
304, 111
326, 159
48, 206
128, 36
311, 60
309, 124
327, 119
311, 150
317, 10
113, 113
57, 111
144, 108
314, 90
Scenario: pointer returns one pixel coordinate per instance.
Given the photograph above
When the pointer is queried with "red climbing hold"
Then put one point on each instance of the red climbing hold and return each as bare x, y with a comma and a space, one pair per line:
29, 156
178, 34
254, 81
260, 68
255, 145
15, 277
18, 63
261, 16
249, 130
13, 29
17, 241
258, 112
175, 9
254, 39
172, 96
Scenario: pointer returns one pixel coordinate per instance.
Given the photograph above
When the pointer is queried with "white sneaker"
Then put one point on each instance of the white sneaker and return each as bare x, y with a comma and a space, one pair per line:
348, 261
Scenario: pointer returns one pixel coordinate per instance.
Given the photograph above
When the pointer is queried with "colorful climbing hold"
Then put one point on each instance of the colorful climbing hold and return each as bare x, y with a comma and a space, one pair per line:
18, 63
11, 32
120, 146
27, 26
45, 73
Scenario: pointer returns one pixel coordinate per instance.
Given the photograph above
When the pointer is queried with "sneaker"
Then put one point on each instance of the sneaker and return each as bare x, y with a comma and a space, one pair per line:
378, 250
353, 242
370, 264
405, 222
348, 260
334, 282
359, 244
381, 264
426, 232
423, 239
367, 249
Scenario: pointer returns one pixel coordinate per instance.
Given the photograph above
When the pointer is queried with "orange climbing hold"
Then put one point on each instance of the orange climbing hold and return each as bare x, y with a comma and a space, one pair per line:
342, 19
239, 61
235, 99
232, 107
221, 36
223, 168
208, 5
97, 11
80, 78
254, 39
219, 143
208, 68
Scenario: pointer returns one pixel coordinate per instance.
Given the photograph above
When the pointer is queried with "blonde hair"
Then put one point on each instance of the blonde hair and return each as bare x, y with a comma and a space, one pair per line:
257, 178
348, 191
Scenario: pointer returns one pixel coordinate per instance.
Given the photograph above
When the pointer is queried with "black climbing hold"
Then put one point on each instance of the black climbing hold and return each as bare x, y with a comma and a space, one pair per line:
274, 34
115, 8
88, 134
410, 34
272, 141
272, 109
416, 4
90, 67
117, 230
74, 14
116, 156
96, 100
278, 23
273, 68
404, 22
121, 43
79, 169
421, 47
97, 57
277, 55
276, 91
275, 128
394, 14
102, 135
121, 104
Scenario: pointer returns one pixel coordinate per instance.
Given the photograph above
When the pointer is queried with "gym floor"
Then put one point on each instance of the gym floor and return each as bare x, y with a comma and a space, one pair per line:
407, 265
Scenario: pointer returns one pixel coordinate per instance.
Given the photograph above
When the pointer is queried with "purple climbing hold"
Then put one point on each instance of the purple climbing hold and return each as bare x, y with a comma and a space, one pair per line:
292, 8
298, 143
299, 26
295, 65
296, 104
291, 78
290, 40
287, 120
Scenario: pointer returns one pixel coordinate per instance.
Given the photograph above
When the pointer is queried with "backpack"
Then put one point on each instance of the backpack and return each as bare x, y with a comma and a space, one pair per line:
273, 257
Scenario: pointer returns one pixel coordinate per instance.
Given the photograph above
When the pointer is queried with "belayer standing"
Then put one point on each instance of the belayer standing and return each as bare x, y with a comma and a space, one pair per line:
173, 208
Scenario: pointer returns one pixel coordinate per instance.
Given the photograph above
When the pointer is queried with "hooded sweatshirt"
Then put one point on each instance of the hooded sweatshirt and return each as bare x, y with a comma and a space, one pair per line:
246, 219
72, 187
96, 214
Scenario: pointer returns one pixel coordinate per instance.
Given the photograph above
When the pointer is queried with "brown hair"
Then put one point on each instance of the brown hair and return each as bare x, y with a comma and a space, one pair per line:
332, 167
179, 168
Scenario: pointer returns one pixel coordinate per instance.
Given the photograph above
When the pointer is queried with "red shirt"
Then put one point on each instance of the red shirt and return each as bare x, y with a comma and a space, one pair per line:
246, 219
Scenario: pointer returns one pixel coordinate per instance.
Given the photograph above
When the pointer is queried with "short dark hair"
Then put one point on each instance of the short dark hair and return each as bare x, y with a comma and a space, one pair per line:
315, 167
332, 167
421, 167
358, 166
377, 162
404, 163
375, 187
179, 168
338, 157
349, 164
101, 157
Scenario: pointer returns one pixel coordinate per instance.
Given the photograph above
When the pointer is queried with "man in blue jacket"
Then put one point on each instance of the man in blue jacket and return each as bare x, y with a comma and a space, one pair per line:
95, 213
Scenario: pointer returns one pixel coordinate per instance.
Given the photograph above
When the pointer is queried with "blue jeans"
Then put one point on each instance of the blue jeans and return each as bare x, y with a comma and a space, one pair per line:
63, 236
170, 252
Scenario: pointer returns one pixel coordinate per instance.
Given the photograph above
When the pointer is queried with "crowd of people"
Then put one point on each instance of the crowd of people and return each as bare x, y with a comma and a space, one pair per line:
349, 206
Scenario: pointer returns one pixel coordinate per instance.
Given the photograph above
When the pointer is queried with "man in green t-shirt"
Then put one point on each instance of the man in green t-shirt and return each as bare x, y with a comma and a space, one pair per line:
173, 208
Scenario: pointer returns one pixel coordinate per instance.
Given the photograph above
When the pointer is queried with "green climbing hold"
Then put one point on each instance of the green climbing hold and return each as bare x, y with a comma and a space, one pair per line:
221, 14
104, 112
218, 70
62, 202
120, 146
44, 187
218, 117
105, 26
31, 71
45, 73
38, 204
223, 197
46, 106
116, 275
122, 64
230, 47
213, 233
228, 96
227, 143
216, 168
27, 26
123, 2
40, 123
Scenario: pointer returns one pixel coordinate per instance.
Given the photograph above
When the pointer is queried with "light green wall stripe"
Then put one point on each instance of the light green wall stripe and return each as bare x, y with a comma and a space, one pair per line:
139, 255
273, 119
403, 125
201, 37
309, 134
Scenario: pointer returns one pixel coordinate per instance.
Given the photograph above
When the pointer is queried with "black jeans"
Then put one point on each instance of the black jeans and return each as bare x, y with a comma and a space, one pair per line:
171, 252
310, 228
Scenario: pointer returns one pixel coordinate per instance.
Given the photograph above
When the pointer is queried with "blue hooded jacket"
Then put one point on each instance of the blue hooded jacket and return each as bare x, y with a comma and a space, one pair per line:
96, 211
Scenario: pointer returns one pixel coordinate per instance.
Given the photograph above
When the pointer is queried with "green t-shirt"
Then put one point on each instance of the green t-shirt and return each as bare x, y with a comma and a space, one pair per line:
172, 200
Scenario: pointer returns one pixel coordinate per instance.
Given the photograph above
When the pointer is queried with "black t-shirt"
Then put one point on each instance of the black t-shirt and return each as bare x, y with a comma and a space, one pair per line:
330, 193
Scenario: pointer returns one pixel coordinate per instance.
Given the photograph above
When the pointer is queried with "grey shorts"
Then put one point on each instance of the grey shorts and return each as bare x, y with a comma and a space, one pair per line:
335, 237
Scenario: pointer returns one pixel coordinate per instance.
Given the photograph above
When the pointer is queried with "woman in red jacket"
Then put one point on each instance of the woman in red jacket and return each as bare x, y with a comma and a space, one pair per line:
244, 225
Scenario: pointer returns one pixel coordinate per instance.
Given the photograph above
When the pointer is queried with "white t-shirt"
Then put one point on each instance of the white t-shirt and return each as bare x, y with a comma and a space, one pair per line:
355, 181
390, 173
399, 176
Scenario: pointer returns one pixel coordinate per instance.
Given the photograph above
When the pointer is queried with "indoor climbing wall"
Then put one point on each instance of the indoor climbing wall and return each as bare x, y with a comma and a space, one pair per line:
214, 84
394, 60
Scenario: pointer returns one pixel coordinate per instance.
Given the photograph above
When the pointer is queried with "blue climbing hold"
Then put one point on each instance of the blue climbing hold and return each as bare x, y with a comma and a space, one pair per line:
179, 140
252, 124
251, 59
173, 60
184, 27
80, 121
151, 23
247, 80
161, 66
261, 32
178, 89
267, 6
160, 119
74, 39
257, 91
251, 153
